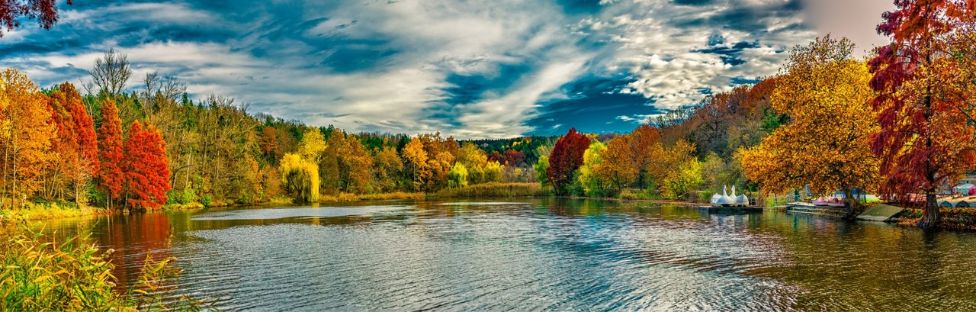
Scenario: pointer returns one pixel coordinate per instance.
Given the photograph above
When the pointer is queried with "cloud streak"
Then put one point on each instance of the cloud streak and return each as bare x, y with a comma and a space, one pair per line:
464, 68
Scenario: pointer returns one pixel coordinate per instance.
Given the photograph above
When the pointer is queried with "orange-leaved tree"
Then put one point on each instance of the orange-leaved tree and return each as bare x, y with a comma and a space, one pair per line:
825, 93
926, 137
26, 135
110, 155
76, 151
146, 167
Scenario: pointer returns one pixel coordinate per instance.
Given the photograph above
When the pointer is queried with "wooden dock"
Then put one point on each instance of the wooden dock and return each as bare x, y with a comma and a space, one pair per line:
808, 208
881, 213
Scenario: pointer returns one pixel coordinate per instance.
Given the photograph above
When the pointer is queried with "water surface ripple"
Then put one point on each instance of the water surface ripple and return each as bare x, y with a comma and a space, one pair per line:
550, 255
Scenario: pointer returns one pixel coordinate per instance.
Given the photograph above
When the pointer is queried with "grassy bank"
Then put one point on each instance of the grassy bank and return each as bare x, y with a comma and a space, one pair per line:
48, 211
494, 189
959, 219
39, 273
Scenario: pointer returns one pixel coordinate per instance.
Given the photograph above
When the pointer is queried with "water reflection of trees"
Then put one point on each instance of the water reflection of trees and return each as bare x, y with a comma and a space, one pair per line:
860, 266
132, 237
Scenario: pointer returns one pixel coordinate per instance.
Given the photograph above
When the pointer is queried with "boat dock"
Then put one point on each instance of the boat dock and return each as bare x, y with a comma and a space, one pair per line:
808, 208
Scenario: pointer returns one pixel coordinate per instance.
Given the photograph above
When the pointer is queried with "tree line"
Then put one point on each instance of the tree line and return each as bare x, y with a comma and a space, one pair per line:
152, 145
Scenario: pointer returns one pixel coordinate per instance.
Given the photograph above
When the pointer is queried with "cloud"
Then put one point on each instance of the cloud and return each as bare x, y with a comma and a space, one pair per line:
464, 68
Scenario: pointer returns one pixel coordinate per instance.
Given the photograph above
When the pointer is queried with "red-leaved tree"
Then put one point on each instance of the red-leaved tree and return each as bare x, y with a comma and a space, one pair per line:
110, 152
146, 167
565, 158
12, 11
77, 148
924, 142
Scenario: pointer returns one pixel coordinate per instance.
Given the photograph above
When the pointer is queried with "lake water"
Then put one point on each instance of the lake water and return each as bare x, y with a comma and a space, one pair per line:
542, 254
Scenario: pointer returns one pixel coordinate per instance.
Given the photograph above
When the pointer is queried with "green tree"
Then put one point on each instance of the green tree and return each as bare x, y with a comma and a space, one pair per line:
458, 176
593, 183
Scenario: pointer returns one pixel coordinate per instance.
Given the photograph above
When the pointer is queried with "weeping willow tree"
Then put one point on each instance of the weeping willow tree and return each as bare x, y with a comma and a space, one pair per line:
300, 178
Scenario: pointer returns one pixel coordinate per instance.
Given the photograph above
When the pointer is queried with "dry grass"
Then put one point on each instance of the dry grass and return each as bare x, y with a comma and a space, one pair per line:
49, 211
494, 189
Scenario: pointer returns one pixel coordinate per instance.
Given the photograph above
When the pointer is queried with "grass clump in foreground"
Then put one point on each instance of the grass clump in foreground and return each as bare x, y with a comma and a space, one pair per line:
39, 273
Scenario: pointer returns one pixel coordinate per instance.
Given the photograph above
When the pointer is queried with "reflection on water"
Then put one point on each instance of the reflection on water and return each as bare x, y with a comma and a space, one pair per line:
544, 254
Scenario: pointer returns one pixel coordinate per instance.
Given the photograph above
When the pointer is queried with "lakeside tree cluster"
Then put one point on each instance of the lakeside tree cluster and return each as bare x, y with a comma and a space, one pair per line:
151, 146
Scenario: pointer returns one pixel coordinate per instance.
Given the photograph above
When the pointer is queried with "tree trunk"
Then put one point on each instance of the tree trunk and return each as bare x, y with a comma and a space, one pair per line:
852, 205
930, 215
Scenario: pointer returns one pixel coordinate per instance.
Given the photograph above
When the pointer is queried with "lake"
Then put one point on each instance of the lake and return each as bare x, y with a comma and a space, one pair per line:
541, 254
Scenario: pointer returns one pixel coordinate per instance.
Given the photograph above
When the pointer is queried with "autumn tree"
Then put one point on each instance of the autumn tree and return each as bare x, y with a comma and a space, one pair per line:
926, 136
416, 163
474, 160
75, 150
458, 176
825, 93
540, 168
590, 178
685, 179
300, 178
13, 11
146, 168
492, 172
110, 174
565, 159
26, 135
428, 160
387, 167
621, 162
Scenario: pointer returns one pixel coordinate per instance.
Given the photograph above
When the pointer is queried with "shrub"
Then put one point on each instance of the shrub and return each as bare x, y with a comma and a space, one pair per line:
39, 273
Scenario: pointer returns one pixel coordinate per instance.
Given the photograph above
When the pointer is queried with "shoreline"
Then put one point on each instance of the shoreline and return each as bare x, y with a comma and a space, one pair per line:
954, 219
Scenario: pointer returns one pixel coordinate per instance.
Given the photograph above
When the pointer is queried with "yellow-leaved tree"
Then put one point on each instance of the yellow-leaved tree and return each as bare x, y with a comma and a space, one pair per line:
825, 144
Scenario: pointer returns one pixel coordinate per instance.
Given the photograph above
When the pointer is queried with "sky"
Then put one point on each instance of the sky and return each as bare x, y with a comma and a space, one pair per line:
471, 69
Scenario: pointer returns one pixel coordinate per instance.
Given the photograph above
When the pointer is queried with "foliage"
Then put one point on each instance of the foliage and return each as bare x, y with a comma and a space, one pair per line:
12, 12
825, 93
387, 169
622, 162
474, 160
110, 175
492, 172
458, 176
682, 182
540, 168
300, 178
594, 184
565, 158
26, 135
926, 135
146, 168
